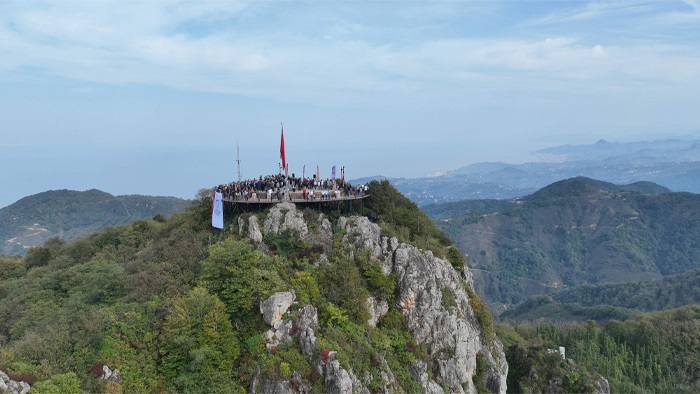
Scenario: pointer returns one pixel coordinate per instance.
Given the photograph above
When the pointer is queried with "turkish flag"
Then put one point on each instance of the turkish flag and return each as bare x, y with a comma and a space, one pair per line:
284, 161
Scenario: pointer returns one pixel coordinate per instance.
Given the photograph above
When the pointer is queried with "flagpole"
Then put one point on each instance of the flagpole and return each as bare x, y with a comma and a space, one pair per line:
238, 160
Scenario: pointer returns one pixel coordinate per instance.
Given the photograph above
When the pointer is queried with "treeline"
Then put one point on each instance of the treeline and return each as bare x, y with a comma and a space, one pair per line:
654, 352
618, 301
667, 293
545, 308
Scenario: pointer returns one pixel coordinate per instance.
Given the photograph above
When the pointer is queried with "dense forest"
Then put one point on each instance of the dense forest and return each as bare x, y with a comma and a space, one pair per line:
174, 305
656, 352
572, 233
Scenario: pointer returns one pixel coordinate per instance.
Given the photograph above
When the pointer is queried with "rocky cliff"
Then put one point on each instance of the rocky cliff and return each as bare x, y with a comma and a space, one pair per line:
462, 356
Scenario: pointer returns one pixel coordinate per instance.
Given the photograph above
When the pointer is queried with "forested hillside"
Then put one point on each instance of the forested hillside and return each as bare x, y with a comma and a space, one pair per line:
68, 214
277, 302
655, 352
574, 232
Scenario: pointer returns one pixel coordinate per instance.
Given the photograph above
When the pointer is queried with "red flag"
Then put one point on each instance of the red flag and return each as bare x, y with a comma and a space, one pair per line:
284, 161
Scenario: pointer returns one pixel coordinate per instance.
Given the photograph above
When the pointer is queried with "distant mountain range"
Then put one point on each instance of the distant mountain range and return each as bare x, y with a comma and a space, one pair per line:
573, 232
674, 163
69, 214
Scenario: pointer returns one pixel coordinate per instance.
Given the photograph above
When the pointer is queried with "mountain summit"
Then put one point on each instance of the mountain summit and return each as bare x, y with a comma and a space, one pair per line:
282, 300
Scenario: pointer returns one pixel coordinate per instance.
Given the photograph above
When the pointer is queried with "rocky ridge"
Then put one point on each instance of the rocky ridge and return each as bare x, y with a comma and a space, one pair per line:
430, 293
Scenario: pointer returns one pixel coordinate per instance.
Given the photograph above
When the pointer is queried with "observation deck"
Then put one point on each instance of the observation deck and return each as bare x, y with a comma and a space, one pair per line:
295, 197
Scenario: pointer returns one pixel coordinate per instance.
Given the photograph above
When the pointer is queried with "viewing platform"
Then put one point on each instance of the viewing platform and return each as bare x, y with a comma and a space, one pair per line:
294, 197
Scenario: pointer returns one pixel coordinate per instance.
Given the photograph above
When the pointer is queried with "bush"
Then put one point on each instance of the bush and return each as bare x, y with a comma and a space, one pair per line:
454, 256
36, 257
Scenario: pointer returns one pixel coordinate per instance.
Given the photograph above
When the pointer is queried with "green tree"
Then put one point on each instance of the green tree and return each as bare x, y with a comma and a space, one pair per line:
200, 345
237, 274
60, 383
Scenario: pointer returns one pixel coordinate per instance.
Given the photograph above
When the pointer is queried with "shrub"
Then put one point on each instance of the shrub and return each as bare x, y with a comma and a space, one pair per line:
454, 256
36, 257
482, 314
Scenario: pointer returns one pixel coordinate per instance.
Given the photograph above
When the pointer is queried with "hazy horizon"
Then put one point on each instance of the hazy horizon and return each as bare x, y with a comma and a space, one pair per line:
154, 97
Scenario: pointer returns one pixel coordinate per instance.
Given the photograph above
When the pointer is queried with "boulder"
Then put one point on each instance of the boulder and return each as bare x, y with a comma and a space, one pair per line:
254, 229
109, 375
10, 386
275, 306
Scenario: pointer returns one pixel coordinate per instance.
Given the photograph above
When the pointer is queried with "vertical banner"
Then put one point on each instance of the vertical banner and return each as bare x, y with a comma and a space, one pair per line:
303, 171
217, 211
333, 174
318, 174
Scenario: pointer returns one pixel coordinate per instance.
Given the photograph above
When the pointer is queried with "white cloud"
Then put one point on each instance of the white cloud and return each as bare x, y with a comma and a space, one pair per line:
154, 43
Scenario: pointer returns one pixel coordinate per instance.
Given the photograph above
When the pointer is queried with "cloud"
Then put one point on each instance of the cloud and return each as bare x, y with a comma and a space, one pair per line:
233, 48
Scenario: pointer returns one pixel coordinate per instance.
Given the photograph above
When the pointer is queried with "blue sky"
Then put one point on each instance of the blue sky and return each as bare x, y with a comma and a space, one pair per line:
151, 97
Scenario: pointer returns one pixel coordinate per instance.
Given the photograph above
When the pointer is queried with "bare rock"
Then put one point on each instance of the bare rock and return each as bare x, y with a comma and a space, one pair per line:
254, 229
275, 306
109, 375
326, 226
419, 372
362, 234
277, 387
432, 295
241, 225
322, 235
284, 216
601, 386
377, 309
10, 386
337, 379
307, 325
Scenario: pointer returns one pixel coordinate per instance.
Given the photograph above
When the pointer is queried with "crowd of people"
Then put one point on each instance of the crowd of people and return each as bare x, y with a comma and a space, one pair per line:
278, 187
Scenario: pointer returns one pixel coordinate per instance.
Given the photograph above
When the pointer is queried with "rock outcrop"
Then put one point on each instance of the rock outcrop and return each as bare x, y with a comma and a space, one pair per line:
377, 309
601, 386
10, 386
302, 327
433, 297
429, 292
284, 216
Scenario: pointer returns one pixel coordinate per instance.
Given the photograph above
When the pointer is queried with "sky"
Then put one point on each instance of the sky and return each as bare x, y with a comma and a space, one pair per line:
154, 97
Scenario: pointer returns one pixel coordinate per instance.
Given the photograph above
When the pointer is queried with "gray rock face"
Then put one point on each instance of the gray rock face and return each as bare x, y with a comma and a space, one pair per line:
377, 309
10, 386
109, 375
254, 229
284, 216
307, 324
601, 386
365, 235
275, 306
431, 294
241, 225
419, 372
362, 233
337, 380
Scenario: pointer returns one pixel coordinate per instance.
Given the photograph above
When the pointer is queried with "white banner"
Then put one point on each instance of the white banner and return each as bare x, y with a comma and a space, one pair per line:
217, 211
